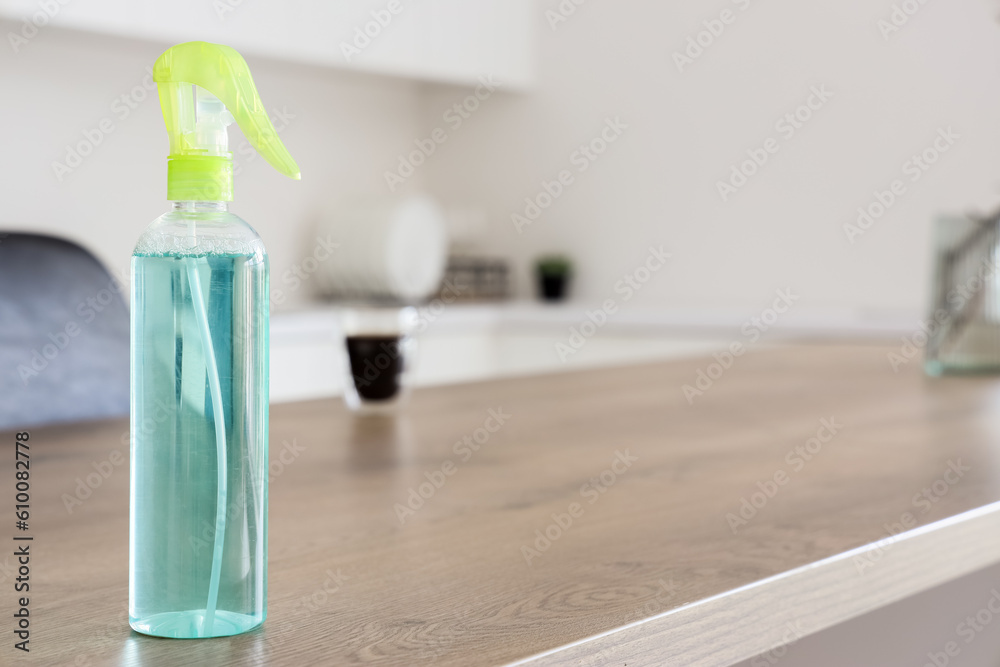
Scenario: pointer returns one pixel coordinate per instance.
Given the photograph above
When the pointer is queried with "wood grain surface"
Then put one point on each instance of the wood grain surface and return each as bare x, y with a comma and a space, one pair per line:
650, 568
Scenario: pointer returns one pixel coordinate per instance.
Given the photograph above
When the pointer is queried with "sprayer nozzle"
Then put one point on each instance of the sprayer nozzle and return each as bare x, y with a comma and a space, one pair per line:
204, 88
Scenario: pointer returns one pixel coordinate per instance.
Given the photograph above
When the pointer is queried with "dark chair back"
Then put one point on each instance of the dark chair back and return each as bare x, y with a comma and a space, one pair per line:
64, 334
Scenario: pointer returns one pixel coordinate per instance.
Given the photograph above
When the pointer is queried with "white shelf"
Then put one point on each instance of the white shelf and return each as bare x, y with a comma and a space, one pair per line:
466, 342
450, 41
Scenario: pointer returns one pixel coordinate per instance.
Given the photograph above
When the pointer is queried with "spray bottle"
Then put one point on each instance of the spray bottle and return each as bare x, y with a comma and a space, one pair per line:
198, 501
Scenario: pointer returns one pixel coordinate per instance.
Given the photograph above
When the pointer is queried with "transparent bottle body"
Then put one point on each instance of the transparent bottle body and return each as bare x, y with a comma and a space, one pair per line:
198, 498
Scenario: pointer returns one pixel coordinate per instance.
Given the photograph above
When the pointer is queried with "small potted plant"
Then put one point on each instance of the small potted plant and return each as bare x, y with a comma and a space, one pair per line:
554, 273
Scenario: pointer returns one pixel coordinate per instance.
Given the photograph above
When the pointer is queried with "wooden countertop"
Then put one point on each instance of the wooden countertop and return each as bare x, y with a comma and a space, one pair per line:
648, 572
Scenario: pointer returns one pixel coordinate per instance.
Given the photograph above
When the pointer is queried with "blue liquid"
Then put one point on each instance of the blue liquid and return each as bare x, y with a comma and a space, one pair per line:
175, 513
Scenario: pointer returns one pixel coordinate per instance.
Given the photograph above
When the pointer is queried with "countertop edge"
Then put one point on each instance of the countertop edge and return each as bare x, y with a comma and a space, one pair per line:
748, 621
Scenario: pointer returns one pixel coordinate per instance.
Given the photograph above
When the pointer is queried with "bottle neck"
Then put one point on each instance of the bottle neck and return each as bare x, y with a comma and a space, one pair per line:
200, 206
200, 178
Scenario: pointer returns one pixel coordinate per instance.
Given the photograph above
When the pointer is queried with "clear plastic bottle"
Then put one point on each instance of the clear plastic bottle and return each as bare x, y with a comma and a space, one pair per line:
198, 556
198, 500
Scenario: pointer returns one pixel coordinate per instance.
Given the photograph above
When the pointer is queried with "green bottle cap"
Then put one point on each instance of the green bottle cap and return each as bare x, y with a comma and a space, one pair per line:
203, 89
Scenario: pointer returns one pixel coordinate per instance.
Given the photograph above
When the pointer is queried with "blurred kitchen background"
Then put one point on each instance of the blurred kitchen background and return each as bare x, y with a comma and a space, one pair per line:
593, 131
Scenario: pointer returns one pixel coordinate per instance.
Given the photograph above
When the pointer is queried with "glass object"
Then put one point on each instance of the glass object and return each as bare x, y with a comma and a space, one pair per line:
198, 501
378, 347
964, 326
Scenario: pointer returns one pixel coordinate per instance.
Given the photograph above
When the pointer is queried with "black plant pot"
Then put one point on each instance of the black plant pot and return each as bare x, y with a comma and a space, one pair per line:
554, 288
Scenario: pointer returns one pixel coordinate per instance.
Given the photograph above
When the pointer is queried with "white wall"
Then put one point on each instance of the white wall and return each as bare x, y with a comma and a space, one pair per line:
347, 128
449, 41
658, 183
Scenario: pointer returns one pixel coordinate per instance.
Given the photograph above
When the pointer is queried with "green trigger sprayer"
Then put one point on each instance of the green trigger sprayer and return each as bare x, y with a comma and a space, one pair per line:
198, 502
